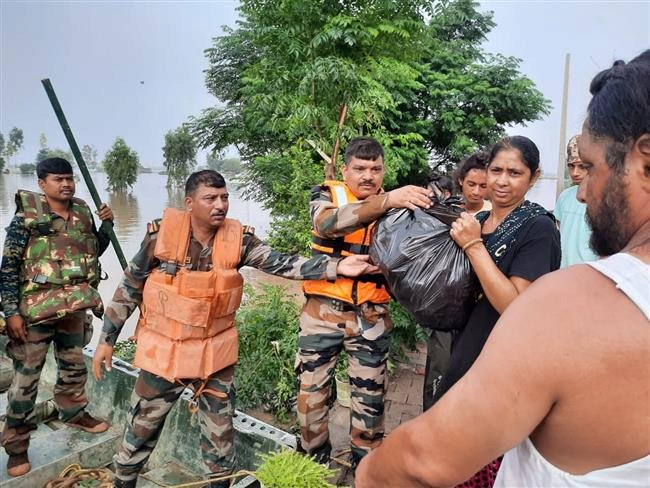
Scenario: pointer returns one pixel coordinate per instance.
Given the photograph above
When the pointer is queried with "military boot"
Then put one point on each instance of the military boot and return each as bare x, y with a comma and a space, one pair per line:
118, 483
321, 454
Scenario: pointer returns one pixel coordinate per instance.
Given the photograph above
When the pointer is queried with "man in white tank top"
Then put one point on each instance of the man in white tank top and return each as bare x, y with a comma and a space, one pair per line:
563, 384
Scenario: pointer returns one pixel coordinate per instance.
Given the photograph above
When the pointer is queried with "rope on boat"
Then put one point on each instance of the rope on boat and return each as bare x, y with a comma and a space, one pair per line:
73, 474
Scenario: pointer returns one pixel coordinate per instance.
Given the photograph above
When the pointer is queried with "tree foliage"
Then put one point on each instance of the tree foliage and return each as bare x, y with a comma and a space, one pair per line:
89, 153
46, 152
179, 154
14, 143
412, 74
121, 166
230, 166
27, 168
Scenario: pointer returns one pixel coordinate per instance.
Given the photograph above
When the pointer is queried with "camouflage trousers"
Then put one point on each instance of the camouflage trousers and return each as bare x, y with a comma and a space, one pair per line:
364, 334
152, 399
67, 334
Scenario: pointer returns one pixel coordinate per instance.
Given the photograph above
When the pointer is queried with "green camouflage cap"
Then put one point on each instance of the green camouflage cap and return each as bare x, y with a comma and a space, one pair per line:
572, 150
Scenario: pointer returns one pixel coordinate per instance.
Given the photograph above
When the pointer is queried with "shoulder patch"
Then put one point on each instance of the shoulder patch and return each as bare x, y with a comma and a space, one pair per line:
153, 226
248, 229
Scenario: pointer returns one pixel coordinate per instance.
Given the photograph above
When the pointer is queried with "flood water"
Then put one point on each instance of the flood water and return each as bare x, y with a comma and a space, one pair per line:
132, 210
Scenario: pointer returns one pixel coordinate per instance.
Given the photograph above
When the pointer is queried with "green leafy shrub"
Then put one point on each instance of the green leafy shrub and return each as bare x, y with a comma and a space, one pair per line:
288, 469
125, 350
407, 333
268, 340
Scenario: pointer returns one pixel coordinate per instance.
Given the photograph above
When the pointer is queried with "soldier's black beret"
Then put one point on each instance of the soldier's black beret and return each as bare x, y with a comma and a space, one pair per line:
54, 166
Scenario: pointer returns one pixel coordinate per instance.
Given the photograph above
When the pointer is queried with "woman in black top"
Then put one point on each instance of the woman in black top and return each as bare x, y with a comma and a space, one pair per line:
509, 247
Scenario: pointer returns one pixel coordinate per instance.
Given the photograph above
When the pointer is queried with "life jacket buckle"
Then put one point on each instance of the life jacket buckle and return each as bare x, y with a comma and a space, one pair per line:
170, 267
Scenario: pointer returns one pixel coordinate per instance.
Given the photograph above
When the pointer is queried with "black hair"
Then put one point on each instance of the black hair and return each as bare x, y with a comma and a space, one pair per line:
54, 166
207, 177
478, 160
526, 147
363, 148
620, 107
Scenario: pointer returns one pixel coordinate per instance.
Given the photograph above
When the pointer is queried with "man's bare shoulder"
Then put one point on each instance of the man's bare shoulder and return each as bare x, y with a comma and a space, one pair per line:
577, 291
570, 306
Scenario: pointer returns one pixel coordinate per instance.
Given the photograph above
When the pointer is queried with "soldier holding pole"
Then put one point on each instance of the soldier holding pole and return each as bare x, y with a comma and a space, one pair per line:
49, 276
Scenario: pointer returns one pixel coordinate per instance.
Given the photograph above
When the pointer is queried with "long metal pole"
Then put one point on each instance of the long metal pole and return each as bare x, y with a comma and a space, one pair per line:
82, 164
561, 165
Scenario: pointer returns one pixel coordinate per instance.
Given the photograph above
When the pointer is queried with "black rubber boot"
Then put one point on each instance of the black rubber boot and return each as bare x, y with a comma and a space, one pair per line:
118, 483
321, 454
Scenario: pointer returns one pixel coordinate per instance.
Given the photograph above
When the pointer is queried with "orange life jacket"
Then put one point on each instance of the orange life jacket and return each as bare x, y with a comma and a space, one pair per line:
187, 327
355, 291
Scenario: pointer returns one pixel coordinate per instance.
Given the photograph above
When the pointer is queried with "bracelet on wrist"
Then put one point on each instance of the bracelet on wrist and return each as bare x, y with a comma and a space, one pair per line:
471, 243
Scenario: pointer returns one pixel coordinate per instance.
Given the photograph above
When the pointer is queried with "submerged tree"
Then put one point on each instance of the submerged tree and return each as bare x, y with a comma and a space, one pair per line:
179, 154
14, 144
89, 154
121, 166
46, 152
411, 74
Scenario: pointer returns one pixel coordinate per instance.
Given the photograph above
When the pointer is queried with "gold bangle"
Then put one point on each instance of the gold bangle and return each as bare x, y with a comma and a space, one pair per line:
471, 243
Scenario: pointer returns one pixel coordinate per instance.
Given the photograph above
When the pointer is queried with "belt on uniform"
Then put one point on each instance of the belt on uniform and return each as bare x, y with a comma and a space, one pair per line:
338, 305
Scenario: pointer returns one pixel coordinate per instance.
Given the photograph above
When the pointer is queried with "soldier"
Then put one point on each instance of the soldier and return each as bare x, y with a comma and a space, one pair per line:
186, 277
348, 314
49, 275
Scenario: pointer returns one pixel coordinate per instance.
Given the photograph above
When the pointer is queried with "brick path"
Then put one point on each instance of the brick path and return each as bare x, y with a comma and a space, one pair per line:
403, 401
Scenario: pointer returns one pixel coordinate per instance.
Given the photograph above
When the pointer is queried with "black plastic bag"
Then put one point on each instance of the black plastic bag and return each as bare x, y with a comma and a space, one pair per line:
426, 272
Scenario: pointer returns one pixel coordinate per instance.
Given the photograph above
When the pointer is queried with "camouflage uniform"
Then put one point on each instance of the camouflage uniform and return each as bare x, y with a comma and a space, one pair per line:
153, 396
326, 327
67, 333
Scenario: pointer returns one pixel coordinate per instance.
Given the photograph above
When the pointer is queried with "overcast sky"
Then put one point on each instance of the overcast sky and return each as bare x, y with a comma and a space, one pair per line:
135, 69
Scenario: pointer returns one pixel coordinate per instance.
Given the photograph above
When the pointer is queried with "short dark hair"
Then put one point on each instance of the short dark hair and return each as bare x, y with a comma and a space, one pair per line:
527, 148
363, 148
54, 166
478, 160
207, 177
620, 107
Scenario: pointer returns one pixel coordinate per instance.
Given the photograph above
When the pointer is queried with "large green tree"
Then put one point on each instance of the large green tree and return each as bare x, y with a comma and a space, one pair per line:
121, 166
179, 154
411, 73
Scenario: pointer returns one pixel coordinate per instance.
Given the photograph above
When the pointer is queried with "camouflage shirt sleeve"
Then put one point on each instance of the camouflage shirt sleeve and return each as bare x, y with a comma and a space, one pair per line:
103, 237
260, 255
12, 256
331, 222
128, 294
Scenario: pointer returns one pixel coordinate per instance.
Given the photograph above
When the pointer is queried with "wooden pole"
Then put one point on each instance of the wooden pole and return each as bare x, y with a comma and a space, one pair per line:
561, 165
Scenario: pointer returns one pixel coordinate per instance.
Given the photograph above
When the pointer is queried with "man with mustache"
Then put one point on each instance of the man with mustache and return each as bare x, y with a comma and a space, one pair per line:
48, 281
186, 276
562, 385
349, 314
